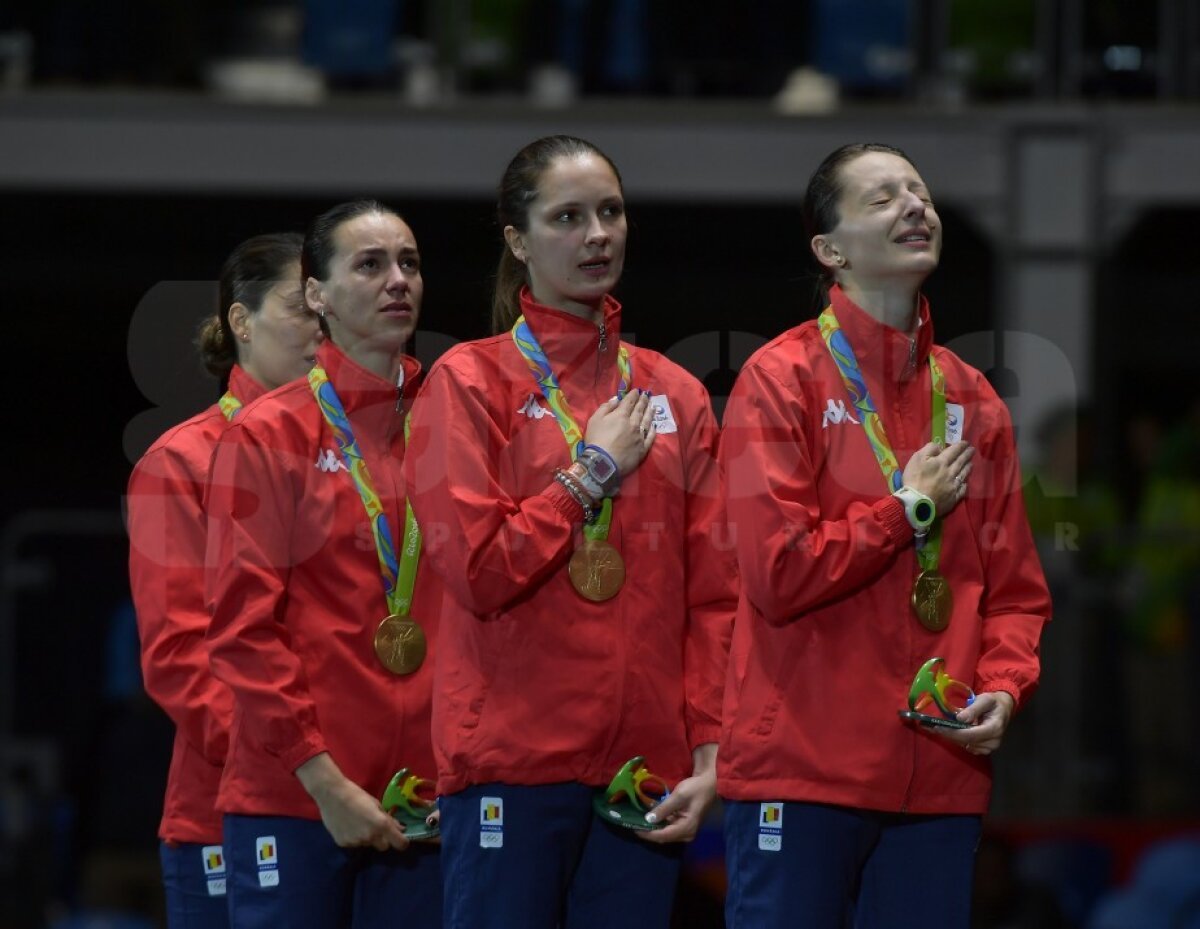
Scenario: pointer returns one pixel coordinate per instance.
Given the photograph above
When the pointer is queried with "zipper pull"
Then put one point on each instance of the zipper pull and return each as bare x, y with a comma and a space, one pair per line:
603, 338
400, 389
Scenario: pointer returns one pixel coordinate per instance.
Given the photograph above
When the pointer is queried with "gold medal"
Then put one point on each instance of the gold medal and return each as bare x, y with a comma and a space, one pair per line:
932, 600
400, 644
597, 571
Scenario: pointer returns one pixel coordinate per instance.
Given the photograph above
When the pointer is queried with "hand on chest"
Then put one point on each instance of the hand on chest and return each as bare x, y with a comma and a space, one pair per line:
860, 443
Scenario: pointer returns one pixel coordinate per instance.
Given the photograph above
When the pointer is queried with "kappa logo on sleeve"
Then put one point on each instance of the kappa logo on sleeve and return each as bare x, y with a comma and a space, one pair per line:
213, 857
328, 461
770, 827
836, 413
266, 856
532, 408
491, 822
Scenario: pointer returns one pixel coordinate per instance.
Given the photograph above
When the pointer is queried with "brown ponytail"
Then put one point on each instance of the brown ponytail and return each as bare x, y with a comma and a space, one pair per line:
506, 296
215, 343
247, 276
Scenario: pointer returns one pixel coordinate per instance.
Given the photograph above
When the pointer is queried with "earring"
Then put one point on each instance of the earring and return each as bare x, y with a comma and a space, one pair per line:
245, 336
840, 260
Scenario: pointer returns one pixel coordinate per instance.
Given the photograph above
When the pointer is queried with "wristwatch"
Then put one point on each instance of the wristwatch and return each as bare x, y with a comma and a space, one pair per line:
918, 509
602, 478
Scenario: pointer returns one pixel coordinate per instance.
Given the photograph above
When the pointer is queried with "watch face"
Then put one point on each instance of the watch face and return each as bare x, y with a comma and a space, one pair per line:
923, 511
601, 468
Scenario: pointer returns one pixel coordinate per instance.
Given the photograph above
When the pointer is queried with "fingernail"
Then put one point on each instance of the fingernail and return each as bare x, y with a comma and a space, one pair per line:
651, 817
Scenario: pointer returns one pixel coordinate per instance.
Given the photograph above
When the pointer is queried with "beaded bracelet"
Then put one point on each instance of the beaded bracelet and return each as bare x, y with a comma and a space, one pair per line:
571, 483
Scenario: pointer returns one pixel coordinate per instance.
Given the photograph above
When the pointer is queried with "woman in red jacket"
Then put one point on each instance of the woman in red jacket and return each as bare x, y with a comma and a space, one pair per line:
323, 627
263, 337
582, 627
858, 570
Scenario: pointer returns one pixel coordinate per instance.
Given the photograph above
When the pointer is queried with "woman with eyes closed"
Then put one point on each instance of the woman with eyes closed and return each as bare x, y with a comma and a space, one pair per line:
583, 626
874, 489
263, 337
324, 624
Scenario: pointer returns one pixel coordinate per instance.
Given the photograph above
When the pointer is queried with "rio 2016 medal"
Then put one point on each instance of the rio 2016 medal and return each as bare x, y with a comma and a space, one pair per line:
932, 600
597, 570
400, 644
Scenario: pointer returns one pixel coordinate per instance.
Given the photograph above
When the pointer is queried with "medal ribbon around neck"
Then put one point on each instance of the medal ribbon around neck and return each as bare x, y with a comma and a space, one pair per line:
229, 405
539, 366
399, 577
928, 553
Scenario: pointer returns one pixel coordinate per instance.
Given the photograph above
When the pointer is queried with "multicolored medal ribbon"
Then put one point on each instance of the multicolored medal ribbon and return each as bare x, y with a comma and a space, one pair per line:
399, 640
596, 569
931, 597
229, 405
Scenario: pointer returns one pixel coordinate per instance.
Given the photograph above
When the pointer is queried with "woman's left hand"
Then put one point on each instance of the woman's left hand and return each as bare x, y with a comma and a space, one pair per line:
684, 810
989, 714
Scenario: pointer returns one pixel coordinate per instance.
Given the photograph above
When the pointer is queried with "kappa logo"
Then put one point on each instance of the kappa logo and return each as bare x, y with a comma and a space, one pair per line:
532, 408
836, 414
328, 460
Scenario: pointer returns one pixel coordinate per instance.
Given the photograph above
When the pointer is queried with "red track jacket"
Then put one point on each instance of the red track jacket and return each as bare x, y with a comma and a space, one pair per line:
296, 596
166, 575
826, 644
535, 684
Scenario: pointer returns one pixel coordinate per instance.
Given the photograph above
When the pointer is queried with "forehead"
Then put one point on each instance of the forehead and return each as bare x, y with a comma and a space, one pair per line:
385, 231
872, 170
578, 178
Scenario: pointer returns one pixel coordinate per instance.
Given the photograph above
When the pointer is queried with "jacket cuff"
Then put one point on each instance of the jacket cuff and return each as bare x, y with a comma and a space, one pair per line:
1008, 687
700, 733
564, 503
890, 513
302, 752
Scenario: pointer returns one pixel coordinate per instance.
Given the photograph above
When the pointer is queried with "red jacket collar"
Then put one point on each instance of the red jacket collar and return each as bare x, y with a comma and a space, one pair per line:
243, 386
573, 344
370, 398
885, 352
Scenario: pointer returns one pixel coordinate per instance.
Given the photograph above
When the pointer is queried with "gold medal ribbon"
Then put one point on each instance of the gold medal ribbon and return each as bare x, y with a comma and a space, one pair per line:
229, 405
539, 366
930, 547
399, 576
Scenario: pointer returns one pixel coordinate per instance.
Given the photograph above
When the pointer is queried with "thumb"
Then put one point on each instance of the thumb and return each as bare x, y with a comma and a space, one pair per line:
396, 837
979, 706
666, 809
